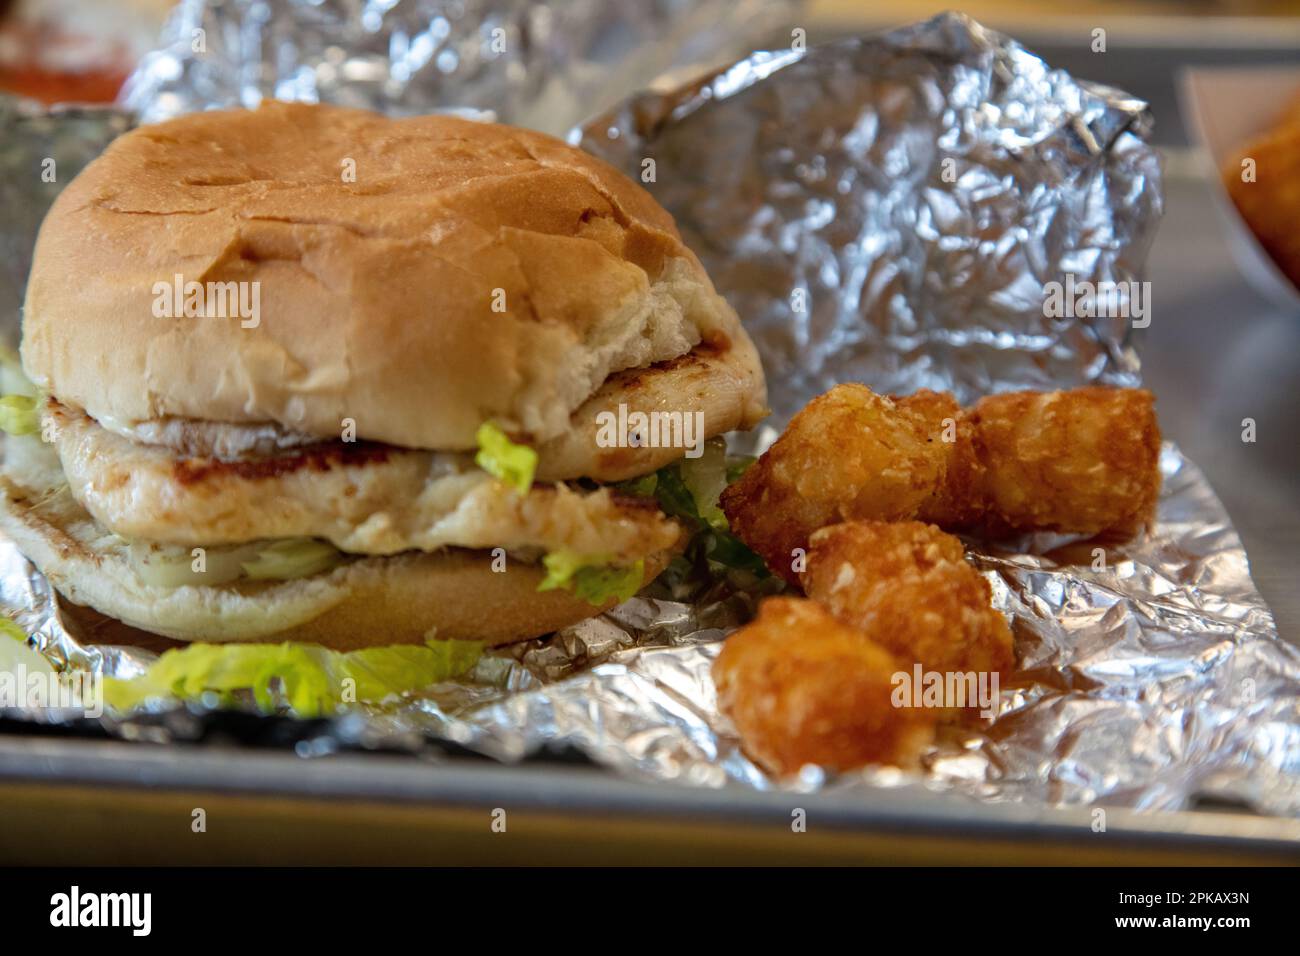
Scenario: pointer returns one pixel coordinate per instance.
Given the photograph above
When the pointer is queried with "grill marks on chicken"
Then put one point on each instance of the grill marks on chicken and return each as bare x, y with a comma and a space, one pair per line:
364, 498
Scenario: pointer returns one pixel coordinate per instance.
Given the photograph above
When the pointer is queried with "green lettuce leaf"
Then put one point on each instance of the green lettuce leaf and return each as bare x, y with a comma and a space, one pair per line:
307, 679
18, 415
17, 654
13, 380
689, 490
737, 465
705, 478
10, 629
643, 487
675, 499
503, 459
724, 551
594, 578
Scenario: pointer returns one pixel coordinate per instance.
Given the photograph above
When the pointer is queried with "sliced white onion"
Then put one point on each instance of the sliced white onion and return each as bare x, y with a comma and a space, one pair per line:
170, 566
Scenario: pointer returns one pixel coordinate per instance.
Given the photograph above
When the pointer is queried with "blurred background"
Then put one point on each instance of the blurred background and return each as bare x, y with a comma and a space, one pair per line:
82, 50
74, 50
1220, 350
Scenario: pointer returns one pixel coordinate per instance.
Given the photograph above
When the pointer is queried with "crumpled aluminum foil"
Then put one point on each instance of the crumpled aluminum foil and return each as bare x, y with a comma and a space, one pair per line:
1150, 684
534, 64
888, 210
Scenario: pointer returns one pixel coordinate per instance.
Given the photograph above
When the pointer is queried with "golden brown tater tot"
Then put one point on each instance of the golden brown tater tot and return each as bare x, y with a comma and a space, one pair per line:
1084, 460
803, 688
908, 587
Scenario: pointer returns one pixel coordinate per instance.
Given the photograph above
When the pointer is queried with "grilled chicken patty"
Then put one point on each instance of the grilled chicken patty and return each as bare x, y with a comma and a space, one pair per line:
364, 498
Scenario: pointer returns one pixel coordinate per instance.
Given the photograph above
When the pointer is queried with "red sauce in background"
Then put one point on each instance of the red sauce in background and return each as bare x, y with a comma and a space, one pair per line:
49, 87
53, 64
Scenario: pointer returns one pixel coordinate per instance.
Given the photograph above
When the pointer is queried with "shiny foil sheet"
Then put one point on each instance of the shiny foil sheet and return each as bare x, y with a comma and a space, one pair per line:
1153, 683
888, 210
542, 65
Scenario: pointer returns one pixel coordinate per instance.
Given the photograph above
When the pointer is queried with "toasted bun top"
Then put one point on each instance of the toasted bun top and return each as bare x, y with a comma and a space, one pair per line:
415, 277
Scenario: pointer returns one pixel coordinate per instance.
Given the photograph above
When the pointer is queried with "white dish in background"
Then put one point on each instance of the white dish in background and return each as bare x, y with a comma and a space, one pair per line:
1224, 109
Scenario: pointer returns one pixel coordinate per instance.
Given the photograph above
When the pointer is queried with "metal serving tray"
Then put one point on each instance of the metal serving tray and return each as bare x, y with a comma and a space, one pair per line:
71, 801
1216, 352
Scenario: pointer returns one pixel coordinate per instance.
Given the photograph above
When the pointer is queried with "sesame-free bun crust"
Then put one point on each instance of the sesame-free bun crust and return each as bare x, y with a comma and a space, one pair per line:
376, 296
371, 601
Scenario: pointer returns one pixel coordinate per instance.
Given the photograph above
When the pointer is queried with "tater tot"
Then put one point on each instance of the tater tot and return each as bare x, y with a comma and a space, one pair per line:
1083, 461
1269, 200
803, 688
848, 454
908, 587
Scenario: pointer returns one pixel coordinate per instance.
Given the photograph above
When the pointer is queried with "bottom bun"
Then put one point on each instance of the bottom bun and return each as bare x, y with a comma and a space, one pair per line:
402, 599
